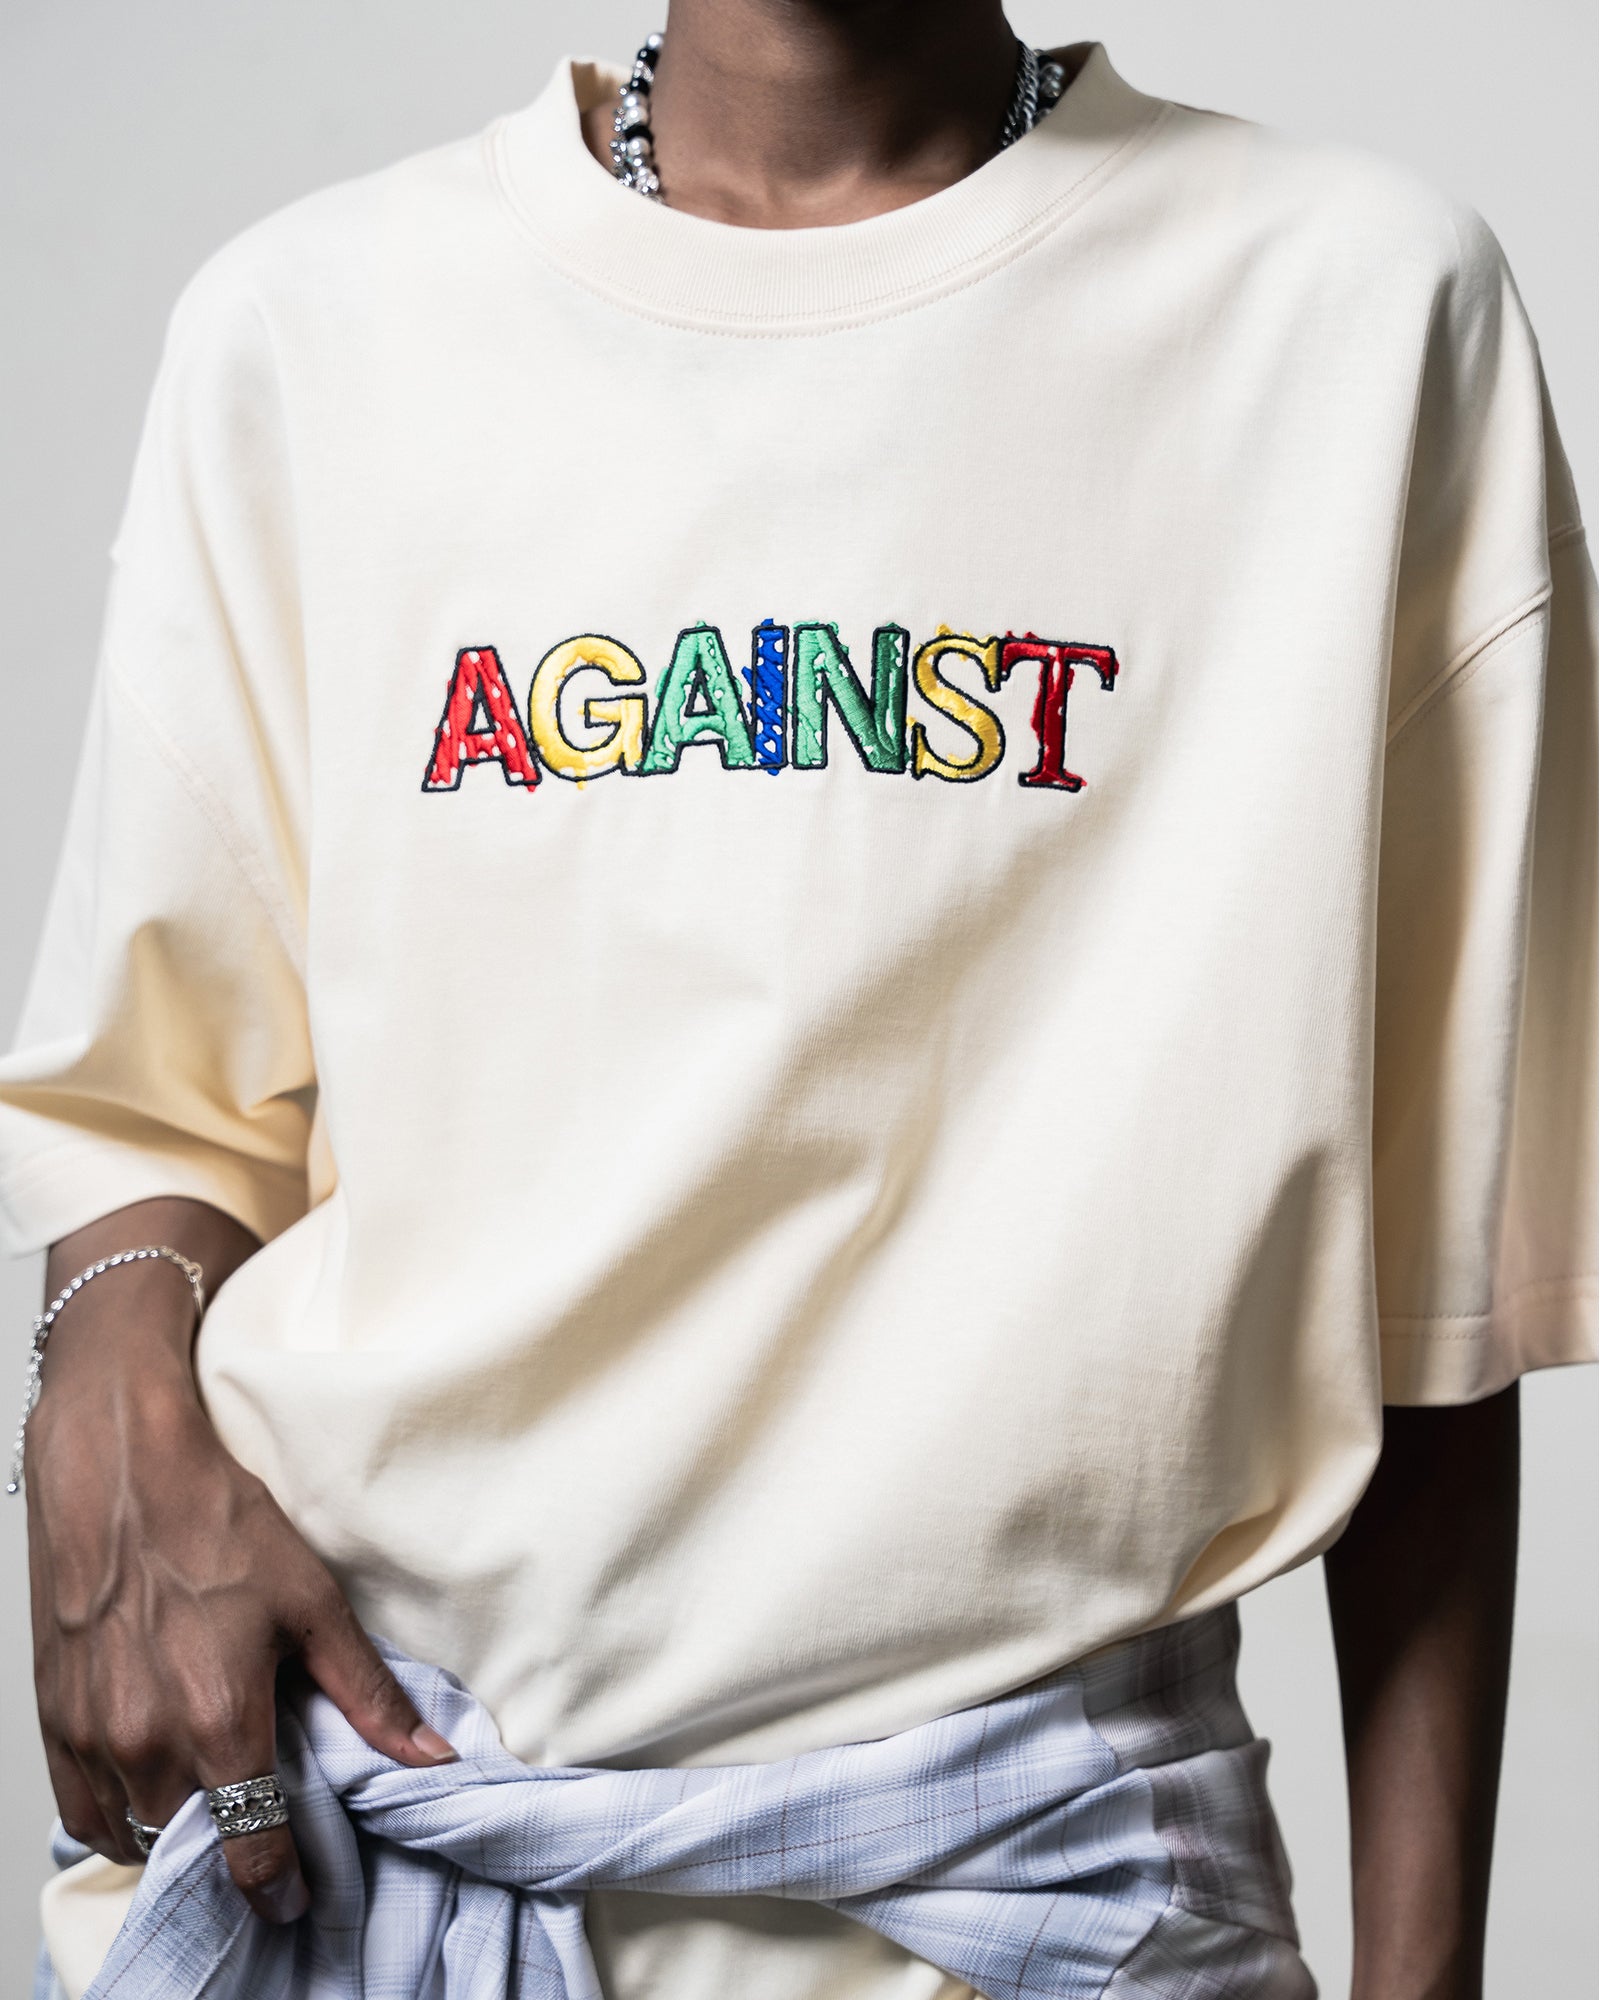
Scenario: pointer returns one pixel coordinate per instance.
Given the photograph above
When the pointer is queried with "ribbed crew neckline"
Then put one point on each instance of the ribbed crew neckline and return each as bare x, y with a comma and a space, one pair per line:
670, 265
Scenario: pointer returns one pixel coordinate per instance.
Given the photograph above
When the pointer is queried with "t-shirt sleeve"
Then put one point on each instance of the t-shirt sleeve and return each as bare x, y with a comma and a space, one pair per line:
163, 1047
1485, 1082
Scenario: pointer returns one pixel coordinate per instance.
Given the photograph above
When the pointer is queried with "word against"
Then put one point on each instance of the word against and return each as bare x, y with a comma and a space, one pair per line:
583, 721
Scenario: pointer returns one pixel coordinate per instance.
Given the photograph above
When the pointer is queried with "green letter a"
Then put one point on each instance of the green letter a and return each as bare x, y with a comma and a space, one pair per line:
698, 697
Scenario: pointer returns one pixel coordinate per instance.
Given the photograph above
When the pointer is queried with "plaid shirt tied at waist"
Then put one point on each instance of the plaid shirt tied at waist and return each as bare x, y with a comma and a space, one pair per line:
1034, 1845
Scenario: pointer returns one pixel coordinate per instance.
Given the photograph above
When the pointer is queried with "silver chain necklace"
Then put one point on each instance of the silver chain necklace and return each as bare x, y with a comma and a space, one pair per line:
1039, 84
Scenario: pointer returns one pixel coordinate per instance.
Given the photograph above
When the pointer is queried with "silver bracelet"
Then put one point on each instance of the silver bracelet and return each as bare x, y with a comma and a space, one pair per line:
47, 1319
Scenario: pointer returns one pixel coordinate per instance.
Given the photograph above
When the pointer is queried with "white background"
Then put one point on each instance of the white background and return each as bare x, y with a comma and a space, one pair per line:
137, 135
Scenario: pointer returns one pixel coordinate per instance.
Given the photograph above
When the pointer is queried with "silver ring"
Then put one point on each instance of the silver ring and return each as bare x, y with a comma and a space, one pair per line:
254, 1805
144, 1836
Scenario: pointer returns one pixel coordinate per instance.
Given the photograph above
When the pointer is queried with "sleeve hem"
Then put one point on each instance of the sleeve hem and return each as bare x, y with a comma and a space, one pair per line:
1447, 1359
50, 1193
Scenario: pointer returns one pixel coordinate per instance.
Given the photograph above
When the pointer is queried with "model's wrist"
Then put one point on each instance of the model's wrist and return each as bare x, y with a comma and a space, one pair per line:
126, 1338
129, 1384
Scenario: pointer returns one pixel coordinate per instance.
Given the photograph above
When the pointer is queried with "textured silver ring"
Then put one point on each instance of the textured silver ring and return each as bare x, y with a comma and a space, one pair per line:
144, 1836
254, 1805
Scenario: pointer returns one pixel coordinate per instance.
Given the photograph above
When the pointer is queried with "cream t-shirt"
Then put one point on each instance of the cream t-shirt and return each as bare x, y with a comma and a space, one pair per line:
881, 918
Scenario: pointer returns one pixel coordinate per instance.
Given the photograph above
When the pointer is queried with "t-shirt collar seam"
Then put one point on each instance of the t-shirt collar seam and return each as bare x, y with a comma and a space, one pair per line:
994, 257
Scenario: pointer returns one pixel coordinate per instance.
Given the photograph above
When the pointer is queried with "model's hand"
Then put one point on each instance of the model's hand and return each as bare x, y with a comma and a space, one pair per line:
168, 1587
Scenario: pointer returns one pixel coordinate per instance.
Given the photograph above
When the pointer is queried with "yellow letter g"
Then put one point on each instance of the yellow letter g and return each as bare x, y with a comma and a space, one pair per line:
619, 718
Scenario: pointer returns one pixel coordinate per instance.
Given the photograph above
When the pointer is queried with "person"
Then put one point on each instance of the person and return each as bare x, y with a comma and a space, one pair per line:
834, 874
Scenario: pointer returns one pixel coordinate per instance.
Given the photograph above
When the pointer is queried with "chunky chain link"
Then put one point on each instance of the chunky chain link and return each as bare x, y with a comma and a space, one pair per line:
1038, 85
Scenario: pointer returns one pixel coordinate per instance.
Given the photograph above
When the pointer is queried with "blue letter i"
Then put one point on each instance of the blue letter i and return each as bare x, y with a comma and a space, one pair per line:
766, 673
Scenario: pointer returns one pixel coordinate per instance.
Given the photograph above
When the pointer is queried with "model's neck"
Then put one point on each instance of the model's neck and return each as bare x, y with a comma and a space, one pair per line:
782, 113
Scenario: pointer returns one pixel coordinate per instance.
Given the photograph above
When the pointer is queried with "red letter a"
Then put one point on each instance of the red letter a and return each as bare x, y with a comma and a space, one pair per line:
1056, 661
478, 682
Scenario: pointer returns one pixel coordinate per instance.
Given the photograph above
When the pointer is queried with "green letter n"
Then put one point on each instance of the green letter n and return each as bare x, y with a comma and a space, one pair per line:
823, 673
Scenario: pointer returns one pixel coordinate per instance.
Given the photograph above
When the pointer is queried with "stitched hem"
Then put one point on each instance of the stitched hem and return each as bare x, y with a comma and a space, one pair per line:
68, 1183
1446, 1358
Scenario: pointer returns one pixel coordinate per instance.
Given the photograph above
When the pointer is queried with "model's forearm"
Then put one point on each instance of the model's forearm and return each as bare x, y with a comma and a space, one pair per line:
1421, 1587
167, 1584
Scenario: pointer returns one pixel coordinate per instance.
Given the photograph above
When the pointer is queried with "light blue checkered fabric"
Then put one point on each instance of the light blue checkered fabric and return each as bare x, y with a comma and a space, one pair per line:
1103, 1831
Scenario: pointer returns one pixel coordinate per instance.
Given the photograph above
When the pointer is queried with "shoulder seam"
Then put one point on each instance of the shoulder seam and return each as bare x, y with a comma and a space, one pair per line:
227, 829
1465, 663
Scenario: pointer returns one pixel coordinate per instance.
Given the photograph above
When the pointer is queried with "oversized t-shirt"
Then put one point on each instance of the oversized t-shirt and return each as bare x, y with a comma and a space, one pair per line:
880, 918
